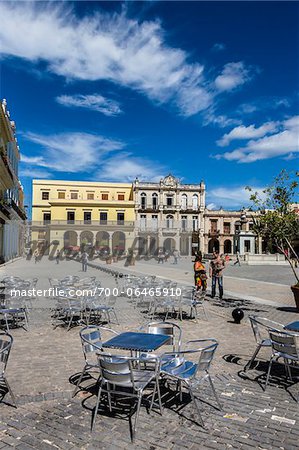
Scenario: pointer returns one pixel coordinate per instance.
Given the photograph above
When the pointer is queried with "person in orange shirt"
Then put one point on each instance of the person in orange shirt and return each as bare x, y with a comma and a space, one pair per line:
200, 274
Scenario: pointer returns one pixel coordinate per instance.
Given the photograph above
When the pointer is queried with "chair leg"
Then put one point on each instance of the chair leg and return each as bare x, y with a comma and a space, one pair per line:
214, 391
78, 382
288, 369
248, 365
268, 374
137, 415
109, 397
96, 408
196, 407
156, 388
116, 318
159, 395
10, 391
6, 323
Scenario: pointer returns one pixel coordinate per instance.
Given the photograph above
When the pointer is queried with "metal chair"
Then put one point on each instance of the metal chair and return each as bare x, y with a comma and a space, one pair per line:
91, 340
193, 299
260, 327
6, 341
191, 374
96, 307
124, 373
166, 328
14, 312
67, 310
286, 346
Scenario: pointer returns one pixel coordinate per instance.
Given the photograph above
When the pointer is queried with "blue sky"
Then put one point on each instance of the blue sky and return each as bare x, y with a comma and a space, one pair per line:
111, 91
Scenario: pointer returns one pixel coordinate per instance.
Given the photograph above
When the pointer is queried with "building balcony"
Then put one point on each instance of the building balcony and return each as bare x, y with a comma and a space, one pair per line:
8, 166
21, 212
169, 231
71, 224
189, 209
5, 209
148, 209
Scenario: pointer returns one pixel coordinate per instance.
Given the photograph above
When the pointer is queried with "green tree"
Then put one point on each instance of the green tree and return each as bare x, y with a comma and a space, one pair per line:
277, 222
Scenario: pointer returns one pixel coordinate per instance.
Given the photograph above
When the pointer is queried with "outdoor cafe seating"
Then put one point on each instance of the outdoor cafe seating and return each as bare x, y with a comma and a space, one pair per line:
6, 342
282, 341
140, 369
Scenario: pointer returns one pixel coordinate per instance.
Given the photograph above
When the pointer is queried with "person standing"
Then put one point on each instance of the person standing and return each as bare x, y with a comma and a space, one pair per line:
217, 266
200, 275
161, 256
36, 255
57, 257
84, 260
175, 256
237, 259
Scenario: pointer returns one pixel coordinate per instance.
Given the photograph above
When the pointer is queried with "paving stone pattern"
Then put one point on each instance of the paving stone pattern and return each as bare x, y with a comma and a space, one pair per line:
44, 364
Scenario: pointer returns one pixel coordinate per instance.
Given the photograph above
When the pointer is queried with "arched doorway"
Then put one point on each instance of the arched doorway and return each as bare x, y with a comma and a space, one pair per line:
213, 246
102, 241
118, 242
184, 245
86, 238
169, 245
70, 239
227, 246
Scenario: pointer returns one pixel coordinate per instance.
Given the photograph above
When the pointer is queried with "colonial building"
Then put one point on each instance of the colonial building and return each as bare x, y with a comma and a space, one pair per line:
67, 214
169, 215
12, 213
230, 232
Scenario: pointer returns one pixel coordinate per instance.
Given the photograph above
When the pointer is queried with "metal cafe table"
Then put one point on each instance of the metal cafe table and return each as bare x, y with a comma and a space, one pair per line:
138, 342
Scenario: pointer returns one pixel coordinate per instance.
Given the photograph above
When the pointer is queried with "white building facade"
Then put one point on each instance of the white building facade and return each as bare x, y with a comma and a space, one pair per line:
169, 216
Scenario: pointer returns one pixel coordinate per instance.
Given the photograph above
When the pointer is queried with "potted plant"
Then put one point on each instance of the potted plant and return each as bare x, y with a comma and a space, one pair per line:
278, 221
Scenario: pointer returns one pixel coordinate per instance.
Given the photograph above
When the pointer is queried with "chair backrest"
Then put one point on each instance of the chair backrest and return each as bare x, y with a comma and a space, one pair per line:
167, 328
260, 327
6, 341
91, 340
207, 355
284, 343
116, 370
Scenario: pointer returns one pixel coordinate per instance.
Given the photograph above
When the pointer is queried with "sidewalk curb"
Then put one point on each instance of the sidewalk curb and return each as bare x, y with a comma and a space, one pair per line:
11, 261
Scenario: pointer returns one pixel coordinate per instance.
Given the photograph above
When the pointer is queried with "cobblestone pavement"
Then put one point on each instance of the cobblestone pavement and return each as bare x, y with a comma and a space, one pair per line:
44, 364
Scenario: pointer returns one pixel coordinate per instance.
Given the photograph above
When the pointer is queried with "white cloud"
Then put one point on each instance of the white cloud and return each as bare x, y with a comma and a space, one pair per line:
264, 103
211, 206
242, 132
231, 197
233, 75
218, 47
283, 143
101, 158
104, 47
125, 166
33, 172
94, 102
210, 117
70, 152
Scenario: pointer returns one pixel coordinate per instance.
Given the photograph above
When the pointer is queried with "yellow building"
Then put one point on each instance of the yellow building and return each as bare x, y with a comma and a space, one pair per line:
12, 214
67, 214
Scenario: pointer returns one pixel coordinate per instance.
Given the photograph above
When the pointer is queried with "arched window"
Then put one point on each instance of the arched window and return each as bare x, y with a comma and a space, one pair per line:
184, 201
195, 201
169, 221
143, 200
155, 200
